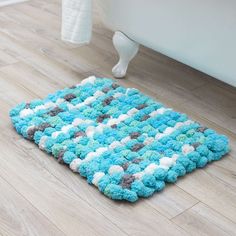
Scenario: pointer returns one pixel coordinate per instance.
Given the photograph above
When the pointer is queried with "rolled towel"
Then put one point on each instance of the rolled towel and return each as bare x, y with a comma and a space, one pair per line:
76, 21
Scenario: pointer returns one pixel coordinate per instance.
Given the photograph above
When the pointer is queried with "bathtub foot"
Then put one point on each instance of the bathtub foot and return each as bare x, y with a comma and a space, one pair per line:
127, 49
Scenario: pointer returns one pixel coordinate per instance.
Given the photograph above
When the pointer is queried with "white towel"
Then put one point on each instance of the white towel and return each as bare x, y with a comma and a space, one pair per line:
76, 21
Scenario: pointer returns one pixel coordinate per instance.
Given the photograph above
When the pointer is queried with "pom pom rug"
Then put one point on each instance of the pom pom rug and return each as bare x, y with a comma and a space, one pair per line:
120, 140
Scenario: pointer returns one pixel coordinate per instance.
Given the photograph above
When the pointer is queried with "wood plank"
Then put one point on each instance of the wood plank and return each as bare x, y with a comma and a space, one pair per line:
19, 217
211, 191
6, 59
216, 103
172, 201
202, 220
62, 207
42, 63
22, 75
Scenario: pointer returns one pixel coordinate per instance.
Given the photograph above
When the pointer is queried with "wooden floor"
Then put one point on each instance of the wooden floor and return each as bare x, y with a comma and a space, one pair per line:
40, 197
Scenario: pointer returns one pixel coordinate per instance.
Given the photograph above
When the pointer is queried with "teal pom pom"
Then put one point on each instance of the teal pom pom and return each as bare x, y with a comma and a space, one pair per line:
191, 166
129, 195
160, 174
218, 146
141, 190
203, 150
159, 185
202, 162
194, 156
133, 168
103, 182
171, 176
114, 191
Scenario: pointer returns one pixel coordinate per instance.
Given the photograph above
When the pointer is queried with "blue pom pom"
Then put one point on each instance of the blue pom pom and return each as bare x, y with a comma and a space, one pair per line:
48, 144
149, 180
37, 136
83, 169
179, 169
68, 157
219, 145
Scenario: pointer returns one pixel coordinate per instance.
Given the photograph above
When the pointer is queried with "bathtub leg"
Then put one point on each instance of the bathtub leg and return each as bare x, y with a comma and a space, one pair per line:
127, 49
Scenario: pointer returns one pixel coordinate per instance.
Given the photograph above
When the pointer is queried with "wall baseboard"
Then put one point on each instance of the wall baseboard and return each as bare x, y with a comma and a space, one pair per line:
9, 2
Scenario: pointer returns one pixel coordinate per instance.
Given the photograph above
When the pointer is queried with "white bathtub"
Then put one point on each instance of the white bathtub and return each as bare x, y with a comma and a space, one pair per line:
201, 34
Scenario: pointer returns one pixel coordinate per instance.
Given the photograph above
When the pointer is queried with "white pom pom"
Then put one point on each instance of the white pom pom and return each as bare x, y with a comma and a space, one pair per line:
101, 150
55, 134
132, 111
40, 107
26, 112
114, 144
90, 131
167, 162
162, 110
115, 169
30, 127
49, 105
96, 177
186, 148
148, 140
151, 168
66, 128
117, 95
112, 122
123, 117
79, 105
77, 122
125, 140
90, 156
42, 142
178, 125
60, 100
89, 100
159, 136
90, 79
168, 130
77, 139
188, 122
138, 175
70, 106
98, 93
175, 157
74, 165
